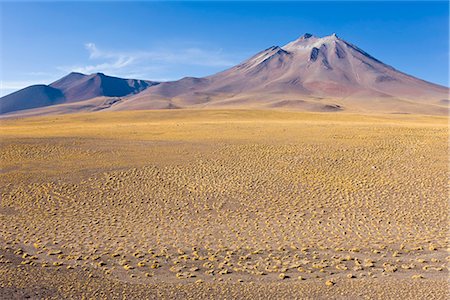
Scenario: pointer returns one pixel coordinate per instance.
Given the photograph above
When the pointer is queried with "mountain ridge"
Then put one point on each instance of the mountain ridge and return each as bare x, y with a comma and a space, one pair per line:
310, 73
71, 88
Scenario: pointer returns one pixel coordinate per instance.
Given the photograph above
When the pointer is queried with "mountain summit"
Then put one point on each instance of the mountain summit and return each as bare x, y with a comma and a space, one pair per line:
310, 73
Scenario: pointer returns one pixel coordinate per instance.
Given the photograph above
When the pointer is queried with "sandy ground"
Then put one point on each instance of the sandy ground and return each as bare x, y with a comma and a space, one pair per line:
224, 204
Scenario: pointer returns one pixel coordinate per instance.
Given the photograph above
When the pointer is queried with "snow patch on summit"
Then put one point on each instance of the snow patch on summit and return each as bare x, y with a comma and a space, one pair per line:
312, 42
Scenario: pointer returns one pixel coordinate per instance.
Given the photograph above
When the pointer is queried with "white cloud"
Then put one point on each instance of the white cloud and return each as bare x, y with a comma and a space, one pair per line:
15, 85
7, 86
39, 74
144, 62
93, 51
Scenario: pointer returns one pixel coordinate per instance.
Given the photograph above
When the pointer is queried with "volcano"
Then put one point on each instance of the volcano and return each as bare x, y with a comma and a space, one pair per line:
310, 73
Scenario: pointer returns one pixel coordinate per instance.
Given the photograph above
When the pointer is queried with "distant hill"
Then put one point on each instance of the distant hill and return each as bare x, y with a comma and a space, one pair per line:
31, 97
310, 73
72, 88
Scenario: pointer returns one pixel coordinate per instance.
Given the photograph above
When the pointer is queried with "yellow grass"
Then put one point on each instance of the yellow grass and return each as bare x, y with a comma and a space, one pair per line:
205, 196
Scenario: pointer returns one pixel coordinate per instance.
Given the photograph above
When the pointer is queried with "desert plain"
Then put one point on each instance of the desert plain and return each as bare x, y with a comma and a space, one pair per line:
224, 204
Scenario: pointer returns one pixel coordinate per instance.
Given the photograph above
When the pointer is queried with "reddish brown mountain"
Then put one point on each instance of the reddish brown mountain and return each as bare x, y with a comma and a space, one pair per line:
309, 73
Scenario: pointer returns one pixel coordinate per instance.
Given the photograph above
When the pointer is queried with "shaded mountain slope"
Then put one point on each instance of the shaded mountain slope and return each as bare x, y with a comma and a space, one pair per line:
31, 97
72, 88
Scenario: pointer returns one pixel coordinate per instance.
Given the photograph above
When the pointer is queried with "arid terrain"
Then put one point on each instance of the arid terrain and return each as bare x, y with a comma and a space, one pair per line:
224, 204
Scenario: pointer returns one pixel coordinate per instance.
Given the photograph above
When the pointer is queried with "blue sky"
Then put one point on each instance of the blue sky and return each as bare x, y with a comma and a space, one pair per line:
42, 41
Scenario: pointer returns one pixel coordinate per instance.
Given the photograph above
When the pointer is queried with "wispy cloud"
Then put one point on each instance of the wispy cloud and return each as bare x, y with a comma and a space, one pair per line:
13, 85
126, 63
19, 84
38, 74
7, 86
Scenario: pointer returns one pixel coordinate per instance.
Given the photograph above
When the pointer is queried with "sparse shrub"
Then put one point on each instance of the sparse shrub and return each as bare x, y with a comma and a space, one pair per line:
329, 282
